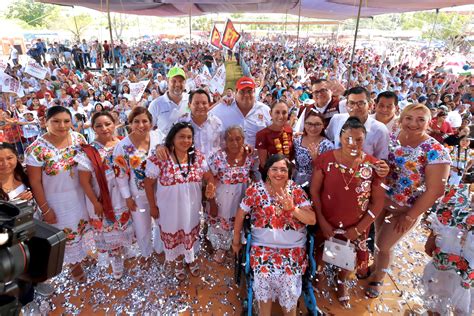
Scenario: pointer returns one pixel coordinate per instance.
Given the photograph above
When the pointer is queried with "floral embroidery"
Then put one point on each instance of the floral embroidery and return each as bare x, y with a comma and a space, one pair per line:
71, 235
266, 260
132, 161
173, 240
444, 261
407, 168
263, 213
227, 174
170, 173
56, 160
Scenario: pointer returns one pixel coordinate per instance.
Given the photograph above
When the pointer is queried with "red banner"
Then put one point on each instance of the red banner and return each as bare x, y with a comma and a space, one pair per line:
230, 36
216, 38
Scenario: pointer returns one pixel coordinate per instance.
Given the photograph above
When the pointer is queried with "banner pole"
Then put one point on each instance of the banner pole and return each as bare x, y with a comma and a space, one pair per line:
190, 26
298, 32
349, 71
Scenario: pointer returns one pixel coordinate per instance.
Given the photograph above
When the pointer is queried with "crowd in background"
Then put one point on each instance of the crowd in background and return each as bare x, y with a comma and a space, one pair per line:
289, 145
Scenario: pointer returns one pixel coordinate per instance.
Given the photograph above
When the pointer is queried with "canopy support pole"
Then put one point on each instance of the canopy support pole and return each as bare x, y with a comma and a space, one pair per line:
349, 70
190, 26
298, 33
433, 29
112, 48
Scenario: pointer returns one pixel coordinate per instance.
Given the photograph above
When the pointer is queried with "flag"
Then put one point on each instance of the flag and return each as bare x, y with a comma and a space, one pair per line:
36, 70
215, 39
230, 36
10, 84
137, 89
217, 82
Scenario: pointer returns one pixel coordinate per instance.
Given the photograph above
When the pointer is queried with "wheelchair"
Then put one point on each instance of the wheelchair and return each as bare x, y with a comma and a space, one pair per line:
242, 265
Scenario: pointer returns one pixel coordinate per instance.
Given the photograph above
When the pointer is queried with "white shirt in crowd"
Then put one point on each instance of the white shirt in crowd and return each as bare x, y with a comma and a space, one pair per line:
392, 126
454, 118
376, 140
257, 119
165, 112
208, 137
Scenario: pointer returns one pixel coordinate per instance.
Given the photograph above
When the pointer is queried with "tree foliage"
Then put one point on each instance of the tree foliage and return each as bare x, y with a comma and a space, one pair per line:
35, 14
77, 24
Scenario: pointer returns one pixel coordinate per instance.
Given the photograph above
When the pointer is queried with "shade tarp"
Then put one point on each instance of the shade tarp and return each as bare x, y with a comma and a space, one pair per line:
323, 9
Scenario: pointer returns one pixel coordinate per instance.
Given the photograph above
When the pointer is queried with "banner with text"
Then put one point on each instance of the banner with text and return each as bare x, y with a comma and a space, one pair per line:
230, 37
35, 70
10, 84
217, 82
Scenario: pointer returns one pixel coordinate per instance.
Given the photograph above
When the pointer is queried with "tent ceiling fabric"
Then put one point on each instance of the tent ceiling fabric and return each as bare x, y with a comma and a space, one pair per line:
323, 9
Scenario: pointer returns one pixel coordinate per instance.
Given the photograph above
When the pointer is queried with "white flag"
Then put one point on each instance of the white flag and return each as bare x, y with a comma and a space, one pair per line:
10, 84
3, 65
217, 82
137, 89
35, 70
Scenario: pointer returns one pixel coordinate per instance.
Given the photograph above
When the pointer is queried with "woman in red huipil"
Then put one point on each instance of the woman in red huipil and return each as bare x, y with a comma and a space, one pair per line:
347, 196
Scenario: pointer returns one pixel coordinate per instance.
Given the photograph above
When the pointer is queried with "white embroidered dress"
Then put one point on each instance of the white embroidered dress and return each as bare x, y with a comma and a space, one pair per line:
178, 196
108, 235
129, 168
233, 181
62, 191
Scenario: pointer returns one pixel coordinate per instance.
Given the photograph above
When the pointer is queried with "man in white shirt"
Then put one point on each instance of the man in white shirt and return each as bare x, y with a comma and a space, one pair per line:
358, 105
208, 128
167, 108
385, 110
13, 55
244, 111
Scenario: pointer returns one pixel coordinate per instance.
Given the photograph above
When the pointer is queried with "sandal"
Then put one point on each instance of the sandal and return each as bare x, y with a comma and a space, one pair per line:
77, 273
179, 271
219, 256
194, 268
342, 295
374, 291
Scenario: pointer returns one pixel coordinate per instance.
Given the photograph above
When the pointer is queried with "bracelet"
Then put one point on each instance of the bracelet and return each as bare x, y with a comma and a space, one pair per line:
357, 231
49, 209
41, 206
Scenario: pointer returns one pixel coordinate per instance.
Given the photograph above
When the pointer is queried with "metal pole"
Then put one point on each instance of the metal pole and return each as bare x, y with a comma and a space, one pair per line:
112, 47
298, 33
434, 25
349, 71
190, 26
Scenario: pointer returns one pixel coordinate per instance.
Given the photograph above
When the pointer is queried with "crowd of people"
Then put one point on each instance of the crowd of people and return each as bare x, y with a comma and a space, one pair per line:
290, 147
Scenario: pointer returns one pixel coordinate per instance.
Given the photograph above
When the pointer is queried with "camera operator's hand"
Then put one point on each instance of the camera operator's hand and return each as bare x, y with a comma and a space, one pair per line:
50, 217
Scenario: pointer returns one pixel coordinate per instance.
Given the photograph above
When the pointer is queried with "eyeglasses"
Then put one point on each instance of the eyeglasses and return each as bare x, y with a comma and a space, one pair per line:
313, 124
359, 104
323, 90
275, 169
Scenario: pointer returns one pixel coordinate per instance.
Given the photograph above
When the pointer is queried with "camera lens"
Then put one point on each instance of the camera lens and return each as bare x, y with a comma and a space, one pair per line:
13, 261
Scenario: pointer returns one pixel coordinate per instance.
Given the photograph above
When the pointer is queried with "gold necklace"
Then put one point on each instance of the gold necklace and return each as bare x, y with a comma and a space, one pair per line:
352, 170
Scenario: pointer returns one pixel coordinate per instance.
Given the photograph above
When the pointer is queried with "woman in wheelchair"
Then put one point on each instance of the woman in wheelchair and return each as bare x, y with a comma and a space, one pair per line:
279, 211
347, 195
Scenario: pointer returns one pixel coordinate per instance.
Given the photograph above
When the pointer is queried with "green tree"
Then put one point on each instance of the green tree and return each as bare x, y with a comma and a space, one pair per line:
33, 13
77, 24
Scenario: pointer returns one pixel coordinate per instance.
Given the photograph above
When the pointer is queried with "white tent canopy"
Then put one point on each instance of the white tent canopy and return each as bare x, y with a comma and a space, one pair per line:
323, 9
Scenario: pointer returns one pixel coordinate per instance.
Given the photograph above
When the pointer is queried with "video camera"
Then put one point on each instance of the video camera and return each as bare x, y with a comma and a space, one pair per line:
30, 252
